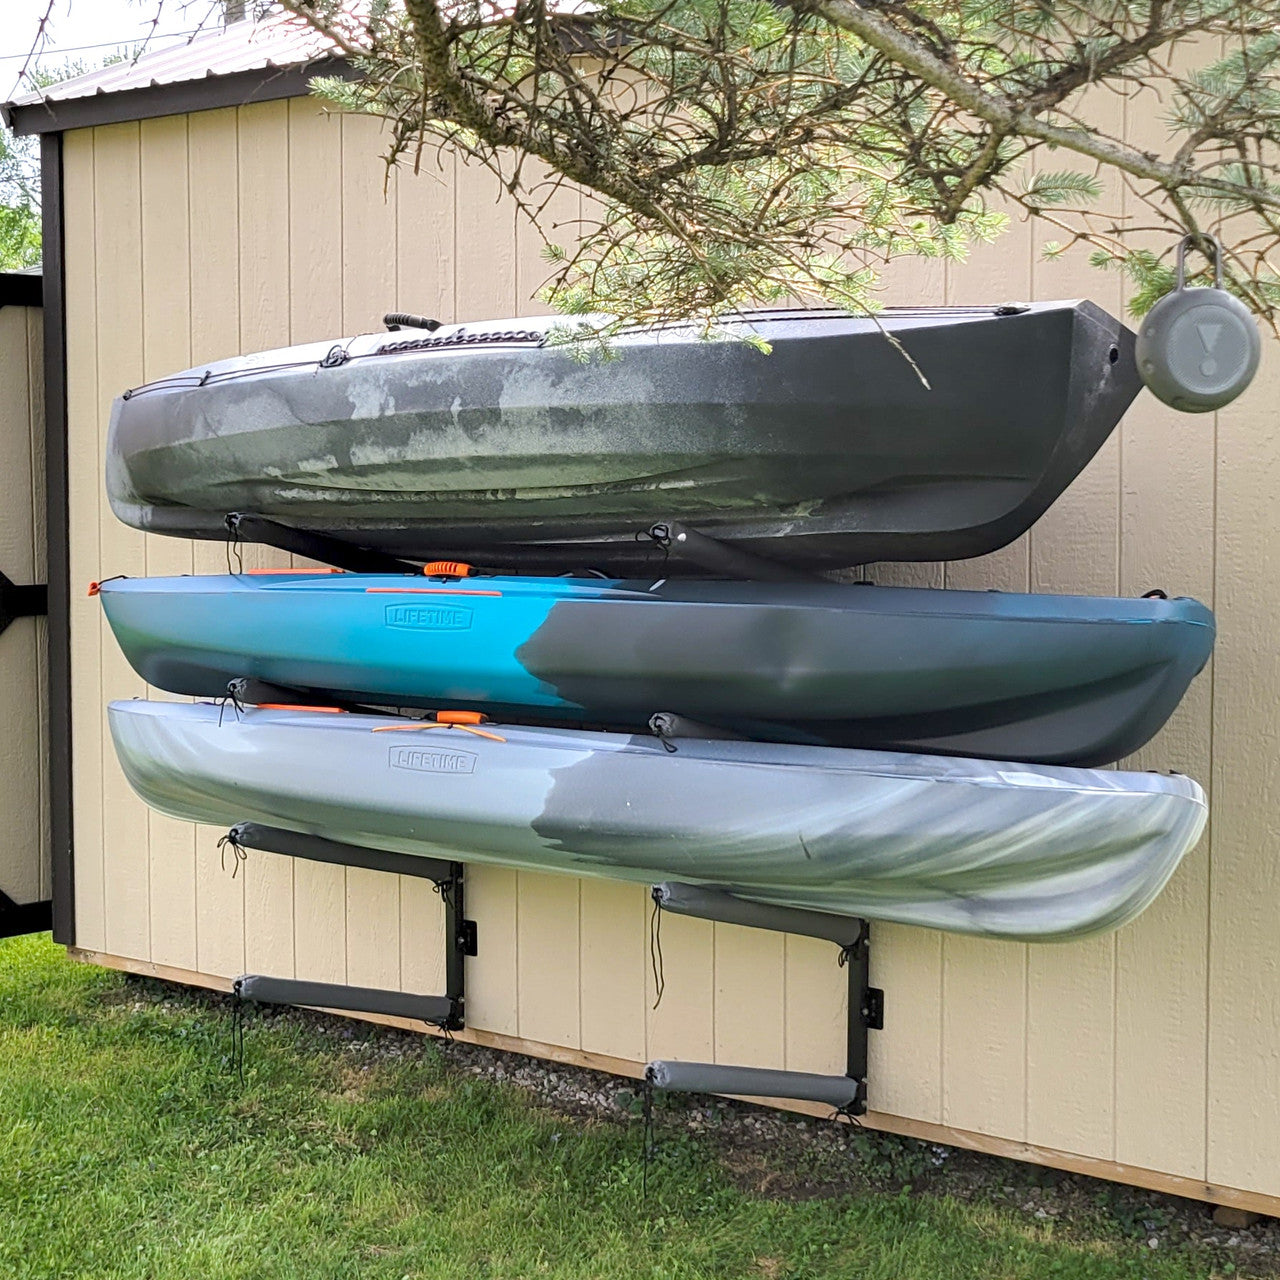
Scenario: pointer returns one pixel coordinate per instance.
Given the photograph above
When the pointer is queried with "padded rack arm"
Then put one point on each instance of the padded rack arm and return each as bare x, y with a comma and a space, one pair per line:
437, 1010
716, 904
460, 933
866, 1003
297, 844
315, 546
757, 1082
722, 557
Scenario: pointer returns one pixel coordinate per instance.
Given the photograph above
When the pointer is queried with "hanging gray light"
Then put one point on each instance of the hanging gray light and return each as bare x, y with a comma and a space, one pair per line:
1198, 349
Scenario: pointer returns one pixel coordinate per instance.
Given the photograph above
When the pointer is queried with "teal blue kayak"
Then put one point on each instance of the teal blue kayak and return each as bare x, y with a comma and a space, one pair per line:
1052, 679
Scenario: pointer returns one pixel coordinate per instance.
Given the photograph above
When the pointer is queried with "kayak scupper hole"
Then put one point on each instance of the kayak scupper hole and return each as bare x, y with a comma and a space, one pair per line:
1114, 354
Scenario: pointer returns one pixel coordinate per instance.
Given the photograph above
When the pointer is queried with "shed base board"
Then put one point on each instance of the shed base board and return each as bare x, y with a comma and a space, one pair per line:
926, 1131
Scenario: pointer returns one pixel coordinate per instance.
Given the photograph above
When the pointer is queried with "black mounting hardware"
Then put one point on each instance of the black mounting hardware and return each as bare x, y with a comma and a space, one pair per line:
21, 602
23, 917
722, 557
468, 938
865, 1011
460, 933
315, 546
873, 1008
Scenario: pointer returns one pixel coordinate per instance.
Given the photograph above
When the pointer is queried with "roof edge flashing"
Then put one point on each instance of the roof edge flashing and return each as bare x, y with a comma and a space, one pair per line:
207, 93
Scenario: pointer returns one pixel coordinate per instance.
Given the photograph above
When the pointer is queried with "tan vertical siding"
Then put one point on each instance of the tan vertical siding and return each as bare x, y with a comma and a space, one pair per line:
24, 839
166, 345
117, 214
1159, 1046
214, 201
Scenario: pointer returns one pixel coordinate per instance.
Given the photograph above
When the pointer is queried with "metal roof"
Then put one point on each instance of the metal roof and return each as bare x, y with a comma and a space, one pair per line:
255, 59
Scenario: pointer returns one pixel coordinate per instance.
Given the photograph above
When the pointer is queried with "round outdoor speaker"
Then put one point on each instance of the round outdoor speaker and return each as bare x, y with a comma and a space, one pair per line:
1198, 349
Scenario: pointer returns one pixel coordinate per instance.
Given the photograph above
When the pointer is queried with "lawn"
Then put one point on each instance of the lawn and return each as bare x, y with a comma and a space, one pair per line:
131, 1150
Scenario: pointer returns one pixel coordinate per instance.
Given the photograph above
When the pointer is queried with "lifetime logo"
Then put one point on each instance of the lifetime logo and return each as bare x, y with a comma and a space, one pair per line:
429, 617
429, 760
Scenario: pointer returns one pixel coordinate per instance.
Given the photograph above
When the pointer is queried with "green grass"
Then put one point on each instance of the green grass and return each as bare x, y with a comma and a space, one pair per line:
127, 1149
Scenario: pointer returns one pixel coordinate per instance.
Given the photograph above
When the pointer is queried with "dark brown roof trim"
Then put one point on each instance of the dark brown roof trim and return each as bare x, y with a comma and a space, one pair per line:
263, 84
21, 289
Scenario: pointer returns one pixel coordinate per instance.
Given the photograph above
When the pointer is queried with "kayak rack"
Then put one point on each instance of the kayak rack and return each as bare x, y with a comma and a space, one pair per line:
244, 527
722, 557
448, 1012
847, 1093
676, 539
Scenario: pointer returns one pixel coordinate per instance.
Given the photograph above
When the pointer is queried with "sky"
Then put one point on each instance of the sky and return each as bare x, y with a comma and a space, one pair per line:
89, 31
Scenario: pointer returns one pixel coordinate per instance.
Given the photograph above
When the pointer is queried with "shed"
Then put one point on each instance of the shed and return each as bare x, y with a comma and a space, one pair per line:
200, 204
25, 873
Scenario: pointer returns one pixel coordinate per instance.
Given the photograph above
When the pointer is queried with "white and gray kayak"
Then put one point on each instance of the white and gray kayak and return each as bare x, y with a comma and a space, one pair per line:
1006, 850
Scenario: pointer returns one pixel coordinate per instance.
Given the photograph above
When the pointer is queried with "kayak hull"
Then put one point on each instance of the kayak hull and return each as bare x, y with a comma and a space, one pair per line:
1068, 680
489, 443
1002, 850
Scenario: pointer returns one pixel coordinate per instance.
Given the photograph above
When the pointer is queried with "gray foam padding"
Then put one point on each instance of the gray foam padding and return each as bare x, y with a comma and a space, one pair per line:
755, 1082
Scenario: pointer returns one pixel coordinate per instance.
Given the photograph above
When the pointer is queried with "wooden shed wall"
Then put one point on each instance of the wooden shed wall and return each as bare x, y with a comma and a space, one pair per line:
24, 794
1154, 1052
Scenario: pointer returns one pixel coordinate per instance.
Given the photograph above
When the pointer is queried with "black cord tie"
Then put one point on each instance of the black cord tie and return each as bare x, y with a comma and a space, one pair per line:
239, 855
236, 1060
655, 951
234, 546
235, 696
660, 537
850, 950
445, 888
847, 1116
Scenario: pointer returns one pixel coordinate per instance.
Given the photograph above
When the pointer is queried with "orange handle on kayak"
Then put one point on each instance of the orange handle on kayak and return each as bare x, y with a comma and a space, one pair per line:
447, 569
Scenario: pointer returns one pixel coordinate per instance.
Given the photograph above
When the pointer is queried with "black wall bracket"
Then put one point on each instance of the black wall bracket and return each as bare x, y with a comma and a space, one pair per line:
865, 1011
21, 602
448, 1011
23, 917
723, 558
245, 527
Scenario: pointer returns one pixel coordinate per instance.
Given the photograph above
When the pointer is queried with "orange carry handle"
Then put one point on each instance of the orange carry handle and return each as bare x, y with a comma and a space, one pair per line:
447, 569
459, 717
